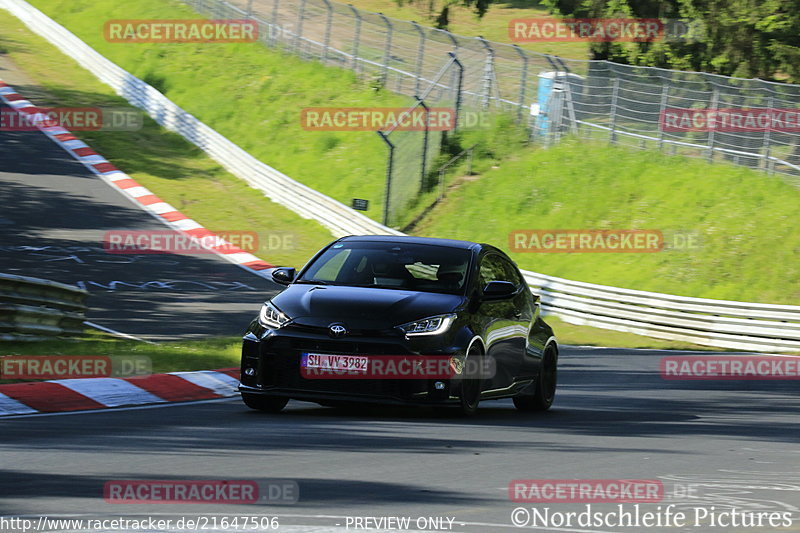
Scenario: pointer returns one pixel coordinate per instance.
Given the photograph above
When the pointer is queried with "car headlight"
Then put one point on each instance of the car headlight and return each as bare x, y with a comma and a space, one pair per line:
272, 317
432, 325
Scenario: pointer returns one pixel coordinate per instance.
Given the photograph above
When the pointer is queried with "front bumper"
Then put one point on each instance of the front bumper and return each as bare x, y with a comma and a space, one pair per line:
271, 362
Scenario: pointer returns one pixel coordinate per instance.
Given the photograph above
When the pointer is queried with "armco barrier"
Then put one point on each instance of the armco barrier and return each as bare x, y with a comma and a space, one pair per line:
36, 309
724, 324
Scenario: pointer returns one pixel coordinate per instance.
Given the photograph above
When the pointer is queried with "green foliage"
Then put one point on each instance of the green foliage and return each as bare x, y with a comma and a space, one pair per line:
439, 10
738, 38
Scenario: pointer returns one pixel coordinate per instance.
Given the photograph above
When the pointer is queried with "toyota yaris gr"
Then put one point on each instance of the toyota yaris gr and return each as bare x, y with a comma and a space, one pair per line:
401, 320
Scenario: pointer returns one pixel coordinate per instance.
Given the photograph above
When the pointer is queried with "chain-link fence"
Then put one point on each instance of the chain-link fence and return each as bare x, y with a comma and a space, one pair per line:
413, 151
595, 99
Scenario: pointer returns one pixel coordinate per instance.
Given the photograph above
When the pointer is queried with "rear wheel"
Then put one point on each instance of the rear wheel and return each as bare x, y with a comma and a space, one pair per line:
545, 393
269, 404
471, 383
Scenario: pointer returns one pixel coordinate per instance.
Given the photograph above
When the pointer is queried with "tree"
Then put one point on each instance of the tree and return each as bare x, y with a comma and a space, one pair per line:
439, 10
744, 38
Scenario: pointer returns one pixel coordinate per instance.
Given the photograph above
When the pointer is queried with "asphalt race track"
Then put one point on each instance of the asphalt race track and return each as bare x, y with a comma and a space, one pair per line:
53, 215
725, 443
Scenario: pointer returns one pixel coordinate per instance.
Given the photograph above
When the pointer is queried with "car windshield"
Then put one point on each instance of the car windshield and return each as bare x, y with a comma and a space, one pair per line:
389, 265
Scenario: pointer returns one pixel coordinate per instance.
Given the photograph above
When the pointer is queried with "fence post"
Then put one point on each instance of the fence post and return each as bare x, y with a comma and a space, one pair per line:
522, 82
453, 39
424, 144
274, 27
389, 169
357, 38
487, 72
420, 56
299, 30
662, 108
714, 105
768, 137
249, 9
328, 22
387, 50
613, 131
459, 88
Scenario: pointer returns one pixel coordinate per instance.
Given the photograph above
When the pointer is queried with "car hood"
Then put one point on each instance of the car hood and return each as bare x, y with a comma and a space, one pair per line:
361, 307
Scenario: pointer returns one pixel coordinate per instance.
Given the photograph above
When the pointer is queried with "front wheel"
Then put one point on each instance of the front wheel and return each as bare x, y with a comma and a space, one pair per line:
268, 404
471, 384
545, 393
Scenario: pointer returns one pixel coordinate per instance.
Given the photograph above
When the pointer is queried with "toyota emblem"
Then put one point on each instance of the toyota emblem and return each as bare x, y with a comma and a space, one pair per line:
337, 330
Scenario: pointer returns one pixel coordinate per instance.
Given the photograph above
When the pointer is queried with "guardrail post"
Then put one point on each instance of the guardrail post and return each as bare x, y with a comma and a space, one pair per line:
328, 22
522, 81
613, 130
299, 29
714, 105
356, 37
487, 72
387, 49
420, 56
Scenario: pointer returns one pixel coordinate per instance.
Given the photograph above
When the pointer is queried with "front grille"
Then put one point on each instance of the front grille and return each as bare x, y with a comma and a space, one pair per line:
280, 367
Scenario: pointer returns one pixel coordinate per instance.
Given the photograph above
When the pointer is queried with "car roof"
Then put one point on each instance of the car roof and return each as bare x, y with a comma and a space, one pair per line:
450, 243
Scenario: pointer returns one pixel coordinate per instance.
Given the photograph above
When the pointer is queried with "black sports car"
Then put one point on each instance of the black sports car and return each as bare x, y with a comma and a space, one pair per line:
401, 320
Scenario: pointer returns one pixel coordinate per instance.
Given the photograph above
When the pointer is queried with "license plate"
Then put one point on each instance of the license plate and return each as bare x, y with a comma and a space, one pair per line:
321, 361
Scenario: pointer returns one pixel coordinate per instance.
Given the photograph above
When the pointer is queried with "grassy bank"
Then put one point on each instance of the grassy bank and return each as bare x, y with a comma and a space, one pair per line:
745, 222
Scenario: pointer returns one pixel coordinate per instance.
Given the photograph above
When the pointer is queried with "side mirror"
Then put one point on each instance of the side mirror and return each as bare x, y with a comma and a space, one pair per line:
283, 275
499, 290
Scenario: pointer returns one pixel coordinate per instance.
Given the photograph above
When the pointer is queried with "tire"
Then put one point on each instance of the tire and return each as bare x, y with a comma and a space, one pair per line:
471, 386
268, 404
545, 393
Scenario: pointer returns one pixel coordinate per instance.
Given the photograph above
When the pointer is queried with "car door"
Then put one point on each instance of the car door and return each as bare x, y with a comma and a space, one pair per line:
504, 321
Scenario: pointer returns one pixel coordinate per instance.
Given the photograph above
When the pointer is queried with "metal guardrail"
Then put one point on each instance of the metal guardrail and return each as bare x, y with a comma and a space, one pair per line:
33, 309
719, 323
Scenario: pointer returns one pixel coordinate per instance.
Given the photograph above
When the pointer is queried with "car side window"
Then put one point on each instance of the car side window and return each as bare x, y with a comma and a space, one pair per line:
492, 269
496, 268
512, 274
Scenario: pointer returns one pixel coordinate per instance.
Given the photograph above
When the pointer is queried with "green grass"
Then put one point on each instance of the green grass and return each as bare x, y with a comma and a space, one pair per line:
493, 26
588, 336
212, 353
746, 221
